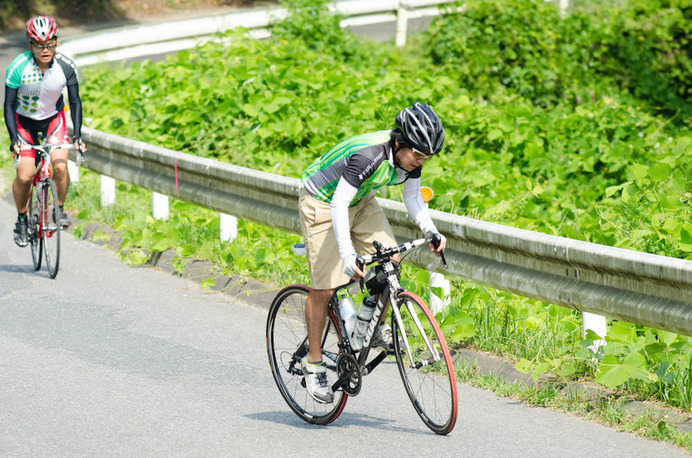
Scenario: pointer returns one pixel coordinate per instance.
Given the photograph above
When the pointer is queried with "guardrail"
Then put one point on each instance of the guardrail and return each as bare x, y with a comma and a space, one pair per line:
154, 39
641, 288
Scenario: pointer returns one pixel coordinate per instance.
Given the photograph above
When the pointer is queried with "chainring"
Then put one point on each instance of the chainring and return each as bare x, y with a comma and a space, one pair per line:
345, 364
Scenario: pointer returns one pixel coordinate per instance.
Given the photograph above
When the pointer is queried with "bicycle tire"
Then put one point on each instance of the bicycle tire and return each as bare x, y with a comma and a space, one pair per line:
33, 229
286, 335
51, 227
431, 388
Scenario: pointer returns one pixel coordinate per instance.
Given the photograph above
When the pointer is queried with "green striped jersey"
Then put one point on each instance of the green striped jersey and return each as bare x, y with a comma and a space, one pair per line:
365, 161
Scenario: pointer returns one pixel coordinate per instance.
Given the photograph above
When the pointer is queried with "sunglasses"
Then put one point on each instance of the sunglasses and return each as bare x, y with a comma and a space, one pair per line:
42, 47
419, 154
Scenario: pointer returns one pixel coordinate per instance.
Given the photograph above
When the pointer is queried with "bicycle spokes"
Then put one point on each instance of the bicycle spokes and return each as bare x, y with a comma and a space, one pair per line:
425, 364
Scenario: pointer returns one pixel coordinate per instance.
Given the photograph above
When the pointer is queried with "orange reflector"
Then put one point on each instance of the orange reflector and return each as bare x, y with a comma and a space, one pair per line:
426, 193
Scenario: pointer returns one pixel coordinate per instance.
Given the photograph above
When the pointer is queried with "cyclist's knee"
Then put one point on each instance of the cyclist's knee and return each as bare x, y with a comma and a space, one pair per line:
321, 296
322, 292
59, 165
24, 175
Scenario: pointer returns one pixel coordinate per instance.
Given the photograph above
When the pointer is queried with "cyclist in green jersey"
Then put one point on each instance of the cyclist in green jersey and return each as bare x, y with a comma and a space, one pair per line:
340, 217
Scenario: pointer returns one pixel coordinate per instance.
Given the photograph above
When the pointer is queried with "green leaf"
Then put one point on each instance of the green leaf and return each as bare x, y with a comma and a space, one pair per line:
640, 173
592, 336
621, 331
664, 374
524, 366
635, 360
685, 239
613, 189
660, 172
462, 332
567, 368
494, 134
611, 373
667, 337
207, 283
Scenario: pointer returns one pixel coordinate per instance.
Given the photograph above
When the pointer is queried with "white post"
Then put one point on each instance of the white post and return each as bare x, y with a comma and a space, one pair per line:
401, 25
597, 324
107, 191
564, 4
73, 171
436, 279
160, 204
229, 227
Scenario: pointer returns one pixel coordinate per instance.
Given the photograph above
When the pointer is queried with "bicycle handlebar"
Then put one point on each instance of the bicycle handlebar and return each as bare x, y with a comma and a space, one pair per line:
45, 150
384, 254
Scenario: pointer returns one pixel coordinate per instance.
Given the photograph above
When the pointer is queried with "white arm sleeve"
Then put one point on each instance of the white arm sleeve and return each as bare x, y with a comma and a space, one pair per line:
342, 198
416, 207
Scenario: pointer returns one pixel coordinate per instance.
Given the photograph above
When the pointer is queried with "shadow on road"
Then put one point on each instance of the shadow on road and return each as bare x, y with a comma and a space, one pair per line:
345, 419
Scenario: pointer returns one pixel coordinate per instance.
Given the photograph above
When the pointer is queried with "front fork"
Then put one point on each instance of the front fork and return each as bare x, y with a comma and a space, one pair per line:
419, 325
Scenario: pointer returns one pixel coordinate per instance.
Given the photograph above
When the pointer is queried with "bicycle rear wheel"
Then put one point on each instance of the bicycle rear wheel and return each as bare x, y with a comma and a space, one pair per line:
33, 230
287, 344
430, 382
51, 227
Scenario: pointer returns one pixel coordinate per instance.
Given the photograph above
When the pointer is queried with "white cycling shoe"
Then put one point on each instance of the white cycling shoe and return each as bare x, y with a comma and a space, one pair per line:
383, 338
316, 381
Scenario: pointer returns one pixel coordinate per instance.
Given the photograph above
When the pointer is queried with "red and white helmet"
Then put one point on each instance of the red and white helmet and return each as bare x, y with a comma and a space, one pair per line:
41, 28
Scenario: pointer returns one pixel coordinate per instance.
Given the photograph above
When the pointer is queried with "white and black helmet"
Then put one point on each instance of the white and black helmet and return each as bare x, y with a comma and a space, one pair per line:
421, 128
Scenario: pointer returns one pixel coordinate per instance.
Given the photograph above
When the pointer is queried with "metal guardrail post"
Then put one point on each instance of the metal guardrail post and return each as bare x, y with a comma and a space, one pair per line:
107, 191
73, 171
228, 227
597, 324
401, 25
160, 205
564, 6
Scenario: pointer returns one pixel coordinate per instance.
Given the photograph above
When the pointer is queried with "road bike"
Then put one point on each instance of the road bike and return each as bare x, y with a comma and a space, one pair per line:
43, 212
419, 348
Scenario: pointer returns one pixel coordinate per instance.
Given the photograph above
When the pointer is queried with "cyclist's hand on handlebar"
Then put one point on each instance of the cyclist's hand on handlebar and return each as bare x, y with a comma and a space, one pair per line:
79, 145
437, 242
351, 267
15, 148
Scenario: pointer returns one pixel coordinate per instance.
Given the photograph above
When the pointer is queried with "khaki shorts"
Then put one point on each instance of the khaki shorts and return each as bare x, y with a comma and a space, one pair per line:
367, 222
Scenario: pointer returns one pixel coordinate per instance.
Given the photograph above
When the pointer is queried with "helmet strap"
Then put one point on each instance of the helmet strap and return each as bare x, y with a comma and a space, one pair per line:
396, 163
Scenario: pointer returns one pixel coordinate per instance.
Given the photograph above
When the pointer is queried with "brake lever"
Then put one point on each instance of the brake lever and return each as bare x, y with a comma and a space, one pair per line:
435, 240
360, 263
444, 261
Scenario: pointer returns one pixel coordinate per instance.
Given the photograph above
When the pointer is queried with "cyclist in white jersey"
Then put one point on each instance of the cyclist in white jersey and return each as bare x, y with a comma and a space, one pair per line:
340, 217
34, 105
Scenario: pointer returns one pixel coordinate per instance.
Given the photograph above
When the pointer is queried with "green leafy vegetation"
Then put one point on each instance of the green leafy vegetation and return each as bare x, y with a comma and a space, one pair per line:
191, 232
552, 127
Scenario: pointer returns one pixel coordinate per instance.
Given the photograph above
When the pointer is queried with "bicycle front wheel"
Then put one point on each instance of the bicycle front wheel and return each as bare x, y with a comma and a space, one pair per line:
51, 227
287, 344
33, 229
425, 364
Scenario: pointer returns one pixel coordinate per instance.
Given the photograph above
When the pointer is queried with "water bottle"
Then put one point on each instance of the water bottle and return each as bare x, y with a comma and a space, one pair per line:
347, 309
367, 309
